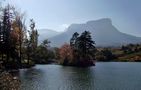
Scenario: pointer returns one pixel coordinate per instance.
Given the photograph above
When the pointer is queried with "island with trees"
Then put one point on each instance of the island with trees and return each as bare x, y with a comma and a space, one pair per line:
19, 47
80, 51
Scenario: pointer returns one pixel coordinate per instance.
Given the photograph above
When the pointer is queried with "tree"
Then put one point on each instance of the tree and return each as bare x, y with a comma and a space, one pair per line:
73, 40
18, 34
12, 33
105, 55
13, 37
6, 29
65, 53
86, 46
43, 54
74, 47
80, 52
33, 35
46, 43
32, 42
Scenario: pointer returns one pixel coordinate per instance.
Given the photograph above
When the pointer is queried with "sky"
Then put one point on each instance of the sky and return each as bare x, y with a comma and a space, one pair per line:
59, 14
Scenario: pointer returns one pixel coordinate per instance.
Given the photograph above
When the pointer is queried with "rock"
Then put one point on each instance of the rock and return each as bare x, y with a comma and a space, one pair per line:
8, 82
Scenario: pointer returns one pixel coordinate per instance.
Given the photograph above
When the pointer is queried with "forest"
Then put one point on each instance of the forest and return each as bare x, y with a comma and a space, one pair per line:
19, 47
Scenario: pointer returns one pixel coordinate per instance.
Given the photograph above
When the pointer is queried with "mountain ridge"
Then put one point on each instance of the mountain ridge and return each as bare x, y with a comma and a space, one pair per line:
46, 33
104, 33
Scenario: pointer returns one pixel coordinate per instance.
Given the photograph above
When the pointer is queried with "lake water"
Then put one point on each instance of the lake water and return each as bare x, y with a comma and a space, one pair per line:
103, 76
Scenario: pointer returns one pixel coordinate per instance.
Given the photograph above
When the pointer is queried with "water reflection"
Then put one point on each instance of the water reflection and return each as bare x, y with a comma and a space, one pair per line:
31, 79
105, 76
77, 79
56, 78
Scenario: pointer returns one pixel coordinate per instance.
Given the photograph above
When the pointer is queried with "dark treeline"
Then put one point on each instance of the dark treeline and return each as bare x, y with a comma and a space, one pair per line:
80, 51
19, 46
130, 52
15, 45
75, 54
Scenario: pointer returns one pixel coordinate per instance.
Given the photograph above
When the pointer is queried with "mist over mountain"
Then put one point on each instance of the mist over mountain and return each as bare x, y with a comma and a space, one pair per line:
102, 31
46, 33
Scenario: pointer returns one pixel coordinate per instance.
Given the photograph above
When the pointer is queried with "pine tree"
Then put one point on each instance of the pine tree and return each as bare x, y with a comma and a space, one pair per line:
33, 35
12, 30
86, 46
33, 41
83, 49
73, 40
6, 29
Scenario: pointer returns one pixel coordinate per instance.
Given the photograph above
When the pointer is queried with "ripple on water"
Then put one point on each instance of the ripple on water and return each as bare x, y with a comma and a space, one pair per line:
104, 76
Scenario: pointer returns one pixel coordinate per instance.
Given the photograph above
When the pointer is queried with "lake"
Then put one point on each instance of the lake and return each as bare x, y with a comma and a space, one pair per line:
103, 76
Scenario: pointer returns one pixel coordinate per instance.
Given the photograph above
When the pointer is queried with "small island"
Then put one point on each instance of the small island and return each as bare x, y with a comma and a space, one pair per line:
28, 55
80, 51
20, 47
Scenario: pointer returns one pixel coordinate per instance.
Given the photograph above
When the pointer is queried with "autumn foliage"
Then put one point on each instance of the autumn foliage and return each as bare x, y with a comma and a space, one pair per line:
80, 52
66, 54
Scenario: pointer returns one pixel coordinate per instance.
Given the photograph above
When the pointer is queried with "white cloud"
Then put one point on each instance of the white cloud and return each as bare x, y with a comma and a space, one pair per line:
63, 27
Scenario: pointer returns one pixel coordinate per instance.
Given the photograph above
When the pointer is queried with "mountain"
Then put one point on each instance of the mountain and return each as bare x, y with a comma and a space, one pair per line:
104, 33
46, 33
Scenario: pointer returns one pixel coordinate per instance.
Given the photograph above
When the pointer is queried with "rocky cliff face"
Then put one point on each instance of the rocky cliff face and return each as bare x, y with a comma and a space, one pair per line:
104, 33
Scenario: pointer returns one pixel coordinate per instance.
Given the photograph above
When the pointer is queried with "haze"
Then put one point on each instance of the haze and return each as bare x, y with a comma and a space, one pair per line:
59, 14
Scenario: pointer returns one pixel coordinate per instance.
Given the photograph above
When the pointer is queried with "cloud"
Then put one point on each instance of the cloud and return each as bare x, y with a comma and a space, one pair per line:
63, 27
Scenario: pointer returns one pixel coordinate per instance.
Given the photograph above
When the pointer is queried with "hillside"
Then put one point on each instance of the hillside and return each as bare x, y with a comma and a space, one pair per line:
104, 33
46, 33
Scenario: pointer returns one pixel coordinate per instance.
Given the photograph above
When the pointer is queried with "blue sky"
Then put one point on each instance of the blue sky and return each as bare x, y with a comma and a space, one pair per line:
59, 14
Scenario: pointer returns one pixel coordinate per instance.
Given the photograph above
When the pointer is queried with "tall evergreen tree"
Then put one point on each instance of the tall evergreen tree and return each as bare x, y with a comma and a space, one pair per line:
86, 46
83, 48
12, 28
6, 29
73, 40
33, 40
73, 44
1, 41
33, 35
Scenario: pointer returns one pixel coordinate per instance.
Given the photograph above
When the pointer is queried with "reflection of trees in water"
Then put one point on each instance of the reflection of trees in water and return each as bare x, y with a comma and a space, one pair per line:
55, 77
31, 78
78, 79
